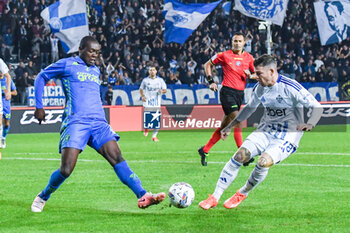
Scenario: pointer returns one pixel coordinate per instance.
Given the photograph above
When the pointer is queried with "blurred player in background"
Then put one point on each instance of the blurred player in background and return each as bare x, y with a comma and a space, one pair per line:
6, 111
4, 75
151, 90
84, 123
237, 66
278, 134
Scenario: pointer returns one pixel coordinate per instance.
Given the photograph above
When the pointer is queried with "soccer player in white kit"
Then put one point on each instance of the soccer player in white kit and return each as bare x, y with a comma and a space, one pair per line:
151, 90
4, 73
277, 135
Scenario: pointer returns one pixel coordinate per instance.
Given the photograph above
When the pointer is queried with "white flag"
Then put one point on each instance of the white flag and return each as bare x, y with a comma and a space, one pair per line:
333, 21
68, 21
273, 11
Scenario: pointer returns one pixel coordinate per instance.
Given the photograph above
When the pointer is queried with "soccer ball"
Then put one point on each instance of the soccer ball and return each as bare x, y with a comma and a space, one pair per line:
181, 195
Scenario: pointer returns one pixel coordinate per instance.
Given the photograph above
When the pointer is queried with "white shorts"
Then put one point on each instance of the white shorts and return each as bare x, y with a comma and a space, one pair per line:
261, 142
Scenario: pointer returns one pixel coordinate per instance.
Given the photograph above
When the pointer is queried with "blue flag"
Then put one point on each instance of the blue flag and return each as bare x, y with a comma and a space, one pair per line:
226, 6
182, 19
273, 11
68, 21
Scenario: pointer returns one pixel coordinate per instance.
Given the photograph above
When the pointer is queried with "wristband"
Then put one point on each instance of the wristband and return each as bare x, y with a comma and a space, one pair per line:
210, 79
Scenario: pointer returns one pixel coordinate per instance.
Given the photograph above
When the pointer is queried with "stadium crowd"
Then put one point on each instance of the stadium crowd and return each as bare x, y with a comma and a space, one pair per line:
131, 35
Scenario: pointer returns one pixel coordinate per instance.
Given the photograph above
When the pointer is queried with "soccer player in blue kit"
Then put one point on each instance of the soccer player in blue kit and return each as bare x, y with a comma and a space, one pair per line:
6, 104
84, 122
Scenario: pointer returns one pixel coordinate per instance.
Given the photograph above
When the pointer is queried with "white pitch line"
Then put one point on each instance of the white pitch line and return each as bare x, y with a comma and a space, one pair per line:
173, 162
185, 152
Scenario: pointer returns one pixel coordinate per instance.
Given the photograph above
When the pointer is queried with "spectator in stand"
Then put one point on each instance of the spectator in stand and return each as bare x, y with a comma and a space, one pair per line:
54, 48
310, 67
109, 95
319, 62
112, 78
30, 69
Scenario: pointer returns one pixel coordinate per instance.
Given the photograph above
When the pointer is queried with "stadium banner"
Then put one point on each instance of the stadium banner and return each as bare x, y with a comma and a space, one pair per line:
177, 94
182, 19
68, 21
53, 96
333, 21
23, 120
273, 11
173, 117
201, 94
344, 91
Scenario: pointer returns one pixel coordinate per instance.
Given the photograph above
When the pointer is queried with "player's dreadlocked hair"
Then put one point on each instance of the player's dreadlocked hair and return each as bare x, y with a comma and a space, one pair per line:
84, 42
265, 60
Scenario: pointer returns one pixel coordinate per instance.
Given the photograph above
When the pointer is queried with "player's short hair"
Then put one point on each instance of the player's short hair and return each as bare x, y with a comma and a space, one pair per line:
152, 64
265, 61
238, 34
84, 42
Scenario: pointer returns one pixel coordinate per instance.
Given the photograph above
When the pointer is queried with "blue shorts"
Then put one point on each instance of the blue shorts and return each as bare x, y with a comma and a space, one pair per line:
94, 133
6, 109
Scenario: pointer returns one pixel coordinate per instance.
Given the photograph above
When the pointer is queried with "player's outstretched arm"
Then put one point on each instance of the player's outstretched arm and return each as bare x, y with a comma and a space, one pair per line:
242, 115
227, 130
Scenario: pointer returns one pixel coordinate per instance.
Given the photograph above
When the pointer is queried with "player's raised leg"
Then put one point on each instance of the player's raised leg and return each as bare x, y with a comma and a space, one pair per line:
68, 161
256, 177
227, 176
111, 152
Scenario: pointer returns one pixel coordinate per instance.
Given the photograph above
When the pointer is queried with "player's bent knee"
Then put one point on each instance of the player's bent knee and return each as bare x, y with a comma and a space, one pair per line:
265, 160
66, 171
242, 155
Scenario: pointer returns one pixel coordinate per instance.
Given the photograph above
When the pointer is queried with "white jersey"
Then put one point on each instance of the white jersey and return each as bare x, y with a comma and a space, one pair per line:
283, 109
151, 89
3, 69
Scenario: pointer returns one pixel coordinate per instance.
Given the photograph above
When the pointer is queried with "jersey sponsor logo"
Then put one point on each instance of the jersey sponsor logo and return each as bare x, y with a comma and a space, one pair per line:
87, 76
275, 112
51, 117
151, 119
238, 63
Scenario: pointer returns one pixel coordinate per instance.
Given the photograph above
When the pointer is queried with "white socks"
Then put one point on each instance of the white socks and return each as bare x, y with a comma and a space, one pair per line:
155, 132
227, 176
255, 178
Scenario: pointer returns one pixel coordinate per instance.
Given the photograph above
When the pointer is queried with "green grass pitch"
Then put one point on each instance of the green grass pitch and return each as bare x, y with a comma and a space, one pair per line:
308, 192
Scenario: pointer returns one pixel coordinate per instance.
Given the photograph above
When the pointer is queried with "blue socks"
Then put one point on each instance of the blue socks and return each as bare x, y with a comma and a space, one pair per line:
129, 178
55, 181
5, 131
123, 171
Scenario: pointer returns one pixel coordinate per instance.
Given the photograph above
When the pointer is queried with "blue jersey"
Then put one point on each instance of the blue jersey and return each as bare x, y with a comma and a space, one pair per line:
4, 87
81, 87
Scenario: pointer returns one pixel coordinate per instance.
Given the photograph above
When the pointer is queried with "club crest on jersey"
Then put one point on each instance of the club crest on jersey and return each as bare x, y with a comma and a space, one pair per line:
238, 63
279, 99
